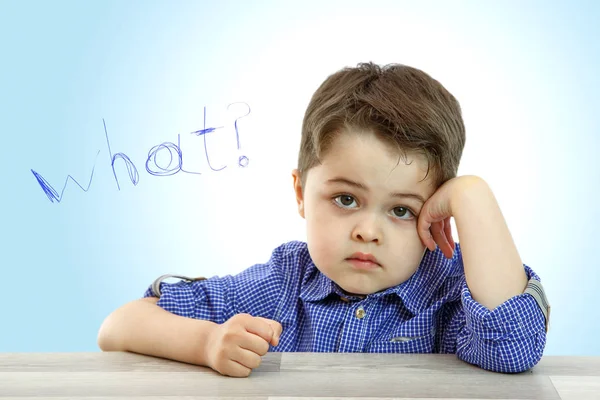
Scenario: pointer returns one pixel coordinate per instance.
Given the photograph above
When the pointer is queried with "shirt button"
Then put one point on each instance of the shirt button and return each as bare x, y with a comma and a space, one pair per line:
360, 313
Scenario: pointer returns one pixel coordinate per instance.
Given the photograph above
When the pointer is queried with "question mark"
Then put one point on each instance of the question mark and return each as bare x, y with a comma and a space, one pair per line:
243, 160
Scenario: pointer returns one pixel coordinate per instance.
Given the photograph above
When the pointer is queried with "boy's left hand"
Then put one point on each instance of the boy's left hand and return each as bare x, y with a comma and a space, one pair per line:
433, 225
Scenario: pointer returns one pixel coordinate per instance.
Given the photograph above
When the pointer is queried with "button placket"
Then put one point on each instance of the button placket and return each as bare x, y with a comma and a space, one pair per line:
355, 328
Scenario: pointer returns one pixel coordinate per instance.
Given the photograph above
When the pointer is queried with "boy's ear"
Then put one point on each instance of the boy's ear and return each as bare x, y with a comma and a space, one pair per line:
298, 191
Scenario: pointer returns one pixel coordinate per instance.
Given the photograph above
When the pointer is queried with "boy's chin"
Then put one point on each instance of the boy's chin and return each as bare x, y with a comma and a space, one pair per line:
363, 290
358, 291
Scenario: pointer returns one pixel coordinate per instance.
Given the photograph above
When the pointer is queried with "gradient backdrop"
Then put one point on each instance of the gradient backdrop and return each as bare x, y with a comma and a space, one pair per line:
154, 72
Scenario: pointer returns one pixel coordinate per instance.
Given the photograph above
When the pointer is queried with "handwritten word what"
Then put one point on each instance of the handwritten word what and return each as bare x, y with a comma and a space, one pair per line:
166, 150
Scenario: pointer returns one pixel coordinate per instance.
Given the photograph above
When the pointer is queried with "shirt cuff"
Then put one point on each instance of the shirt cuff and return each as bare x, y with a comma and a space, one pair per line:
517, 318
155, 289
177, 298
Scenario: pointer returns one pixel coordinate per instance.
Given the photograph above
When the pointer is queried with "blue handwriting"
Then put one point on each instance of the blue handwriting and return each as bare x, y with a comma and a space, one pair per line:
174, 166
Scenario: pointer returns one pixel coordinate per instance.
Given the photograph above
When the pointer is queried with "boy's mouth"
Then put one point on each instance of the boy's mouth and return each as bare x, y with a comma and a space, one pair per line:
363, 261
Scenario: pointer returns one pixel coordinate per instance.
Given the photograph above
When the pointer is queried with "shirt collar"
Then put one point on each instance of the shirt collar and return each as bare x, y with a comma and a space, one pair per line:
416, 293
421, 288
315, 285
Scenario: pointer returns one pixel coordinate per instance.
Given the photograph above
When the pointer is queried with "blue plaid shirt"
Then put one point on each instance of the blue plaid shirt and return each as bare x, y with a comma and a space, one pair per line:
432, 312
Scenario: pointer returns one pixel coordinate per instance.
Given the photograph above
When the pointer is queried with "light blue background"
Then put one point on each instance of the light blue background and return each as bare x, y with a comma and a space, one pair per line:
525, 72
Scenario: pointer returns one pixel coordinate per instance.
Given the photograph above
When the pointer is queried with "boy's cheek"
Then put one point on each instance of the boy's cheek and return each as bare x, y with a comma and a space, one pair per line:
324, 234
321, 229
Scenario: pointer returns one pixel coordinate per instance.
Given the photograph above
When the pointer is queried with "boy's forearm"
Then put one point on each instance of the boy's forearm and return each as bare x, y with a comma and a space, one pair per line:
143, 327
493, 267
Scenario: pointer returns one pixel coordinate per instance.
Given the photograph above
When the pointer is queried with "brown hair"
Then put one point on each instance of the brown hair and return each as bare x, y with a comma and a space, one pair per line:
402, 105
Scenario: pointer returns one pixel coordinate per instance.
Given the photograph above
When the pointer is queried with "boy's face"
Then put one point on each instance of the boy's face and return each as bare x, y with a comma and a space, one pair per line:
349, 205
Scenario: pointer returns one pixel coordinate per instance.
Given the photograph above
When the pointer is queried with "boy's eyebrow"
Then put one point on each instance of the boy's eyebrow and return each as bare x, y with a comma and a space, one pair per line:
366, 189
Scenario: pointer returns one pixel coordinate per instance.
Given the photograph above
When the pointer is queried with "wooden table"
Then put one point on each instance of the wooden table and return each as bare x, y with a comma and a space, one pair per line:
118, 375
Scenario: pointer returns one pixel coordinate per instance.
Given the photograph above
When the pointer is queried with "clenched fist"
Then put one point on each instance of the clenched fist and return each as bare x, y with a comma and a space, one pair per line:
235, 347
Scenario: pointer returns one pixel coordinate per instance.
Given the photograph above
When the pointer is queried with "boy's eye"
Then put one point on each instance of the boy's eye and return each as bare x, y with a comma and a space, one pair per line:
344, 200
347, 201
401, 212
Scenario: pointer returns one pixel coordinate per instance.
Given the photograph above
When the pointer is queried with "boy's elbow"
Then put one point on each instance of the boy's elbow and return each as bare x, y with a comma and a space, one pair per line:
524, 362
113, 333
520, 355
505, 356
517, 362
102, 341
514, 366
106, 338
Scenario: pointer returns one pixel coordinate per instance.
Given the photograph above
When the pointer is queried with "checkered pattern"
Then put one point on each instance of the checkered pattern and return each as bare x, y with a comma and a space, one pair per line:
432, 312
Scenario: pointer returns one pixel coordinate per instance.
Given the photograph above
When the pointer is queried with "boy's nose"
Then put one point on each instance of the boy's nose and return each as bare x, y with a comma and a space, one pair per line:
367, 231
367, 238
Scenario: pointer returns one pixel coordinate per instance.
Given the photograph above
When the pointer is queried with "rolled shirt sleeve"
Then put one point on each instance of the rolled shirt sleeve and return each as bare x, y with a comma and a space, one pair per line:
255, 291
510, 338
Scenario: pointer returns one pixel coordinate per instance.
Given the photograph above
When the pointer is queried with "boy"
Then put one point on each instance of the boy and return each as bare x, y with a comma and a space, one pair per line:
380, 271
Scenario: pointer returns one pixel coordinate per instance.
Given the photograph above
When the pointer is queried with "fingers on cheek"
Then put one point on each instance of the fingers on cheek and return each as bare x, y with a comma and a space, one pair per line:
444, 243
428, 236
424, 230
439, 236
